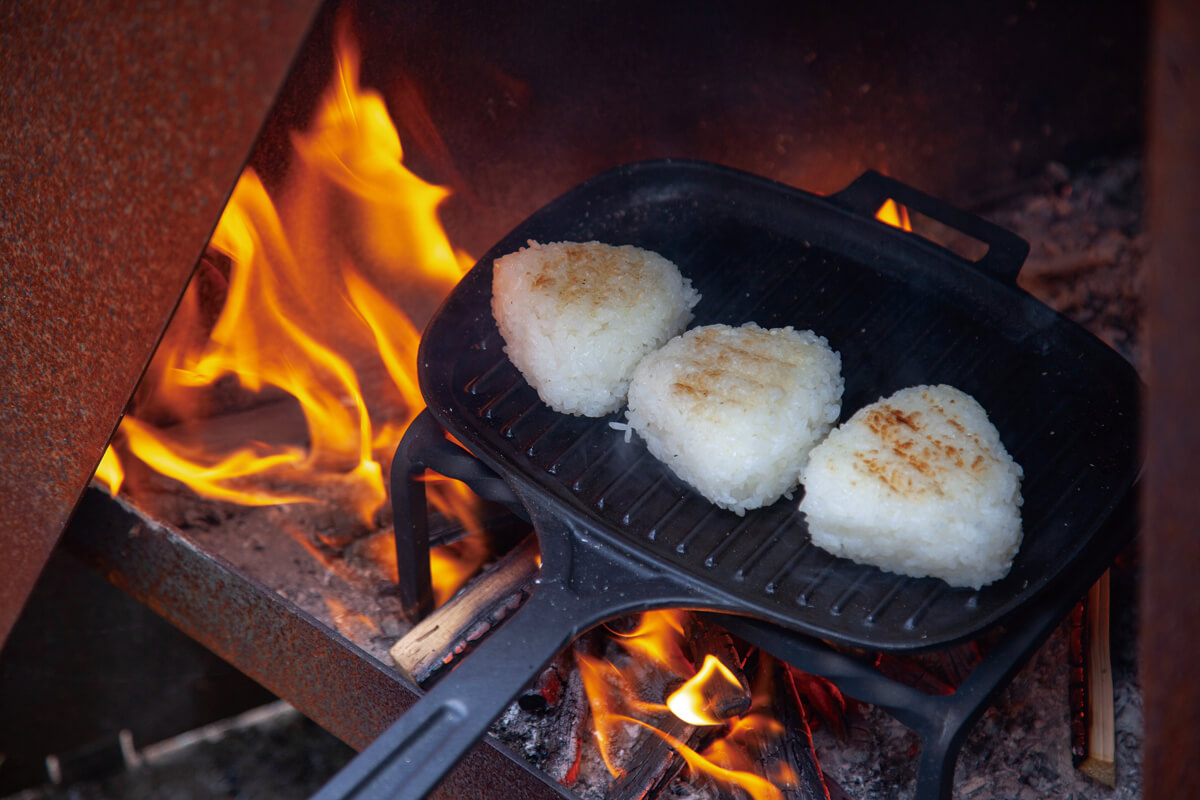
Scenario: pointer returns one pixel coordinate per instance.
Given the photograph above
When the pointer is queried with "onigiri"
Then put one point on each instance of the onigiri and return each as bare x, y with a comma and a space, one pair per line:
734, 411
576, 318
919, 484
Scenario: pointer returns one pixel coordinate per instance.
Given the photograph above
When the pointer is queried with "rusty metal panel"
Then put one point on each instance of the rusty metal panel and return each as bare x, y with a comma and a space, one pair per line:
102, 662
125, 127
329, 679
1170, 637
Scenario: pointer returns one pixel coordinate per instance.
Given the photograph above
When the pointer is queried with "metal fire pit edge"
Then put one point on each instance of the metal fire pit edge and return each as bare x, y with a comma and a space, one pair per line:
275, 642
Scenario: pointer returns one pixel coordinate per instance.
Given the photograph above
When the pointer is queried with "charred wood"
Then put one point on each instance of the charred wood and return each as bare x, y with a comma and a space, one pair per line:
655, 762
552, 738
784, 756
545, 693
797, 750
452, 630
631, 761
705, 639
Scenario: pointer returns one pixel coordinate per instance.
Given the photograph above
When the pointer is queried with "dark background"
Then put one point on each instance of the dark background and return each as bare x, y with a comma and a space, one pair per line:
511, 104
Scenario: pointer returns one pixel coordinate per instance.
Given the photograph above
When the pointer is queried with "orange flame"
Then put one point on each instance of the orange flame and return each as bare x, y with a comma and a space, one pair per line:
352, 159
110, 472
600, 681
657, 639
654, 641
178, 460
308, 311
757, 787
616, 706
451, 564
757, 732
309, 302
692, 701
894, 214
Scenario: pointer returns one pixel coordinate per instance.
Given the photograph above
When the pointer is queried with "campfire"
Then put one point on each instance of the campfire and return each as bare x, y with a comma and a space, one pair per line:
273, 408
287, 329
288, 376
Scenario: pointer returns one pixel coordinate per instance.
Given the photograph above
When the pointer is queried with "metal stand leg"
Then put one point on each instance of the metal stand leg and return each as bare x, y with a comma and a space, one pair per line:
425, 447
944, 722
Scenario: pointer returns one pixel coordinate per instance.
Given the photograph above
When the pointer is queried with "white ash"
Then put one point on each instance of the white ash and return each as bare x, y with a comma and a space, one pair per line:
545, 739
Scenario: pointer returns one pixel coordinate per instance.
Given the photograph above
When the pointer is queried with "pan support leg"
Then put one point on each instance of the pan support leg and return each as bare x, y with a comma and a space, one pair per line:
947, 720
425, 447
943, 722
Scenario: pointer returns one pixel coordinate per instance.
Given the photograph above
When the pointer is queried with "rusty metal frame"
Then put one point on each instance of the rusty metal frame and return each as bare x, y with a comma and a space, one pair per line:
329, 679
125, 129
1170, 602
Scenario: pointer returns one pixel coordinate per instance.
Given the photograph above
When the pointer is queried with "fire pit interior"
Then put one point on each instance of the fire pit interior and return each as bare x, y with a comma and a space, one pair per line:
244, 496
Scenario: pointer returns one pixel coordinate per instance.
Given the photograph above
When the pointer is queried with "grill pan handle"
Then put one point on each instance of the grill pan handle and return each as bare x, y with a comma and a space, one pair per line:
583, 582
1006, 251
410, 758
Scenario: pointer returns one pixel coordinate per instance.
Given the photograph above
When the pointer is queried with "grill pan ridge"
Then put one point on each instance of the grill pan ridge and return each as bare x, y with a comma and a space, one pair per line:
901, 311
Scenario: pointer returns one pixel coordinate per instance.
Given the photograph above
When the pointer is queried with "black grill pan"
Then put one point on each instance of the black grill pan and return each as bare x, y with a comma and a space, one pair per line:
619, 533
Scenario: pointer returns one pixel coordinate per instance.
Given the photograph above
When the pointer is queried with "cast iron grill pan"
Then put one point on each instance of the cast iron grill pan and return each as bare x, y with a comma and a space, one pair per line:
620, 533
900, 313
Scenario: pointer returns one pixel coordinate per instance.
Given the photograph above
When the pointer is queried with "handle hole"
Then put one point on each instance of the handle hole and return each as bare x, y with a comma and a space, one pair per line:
900, 216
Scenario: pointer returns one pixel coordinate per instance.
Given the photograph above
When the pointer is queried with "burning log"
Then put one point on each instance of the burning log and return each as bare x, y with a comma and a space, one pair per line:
764, 739
655, 763
1091, 688
638, 664
442, 637
782, 753
725, 699
797, 745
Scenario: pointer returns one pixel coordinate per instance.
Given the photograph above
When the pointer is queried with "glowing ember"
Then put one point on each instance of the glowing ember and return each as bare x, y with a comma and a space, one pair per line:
894, 214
